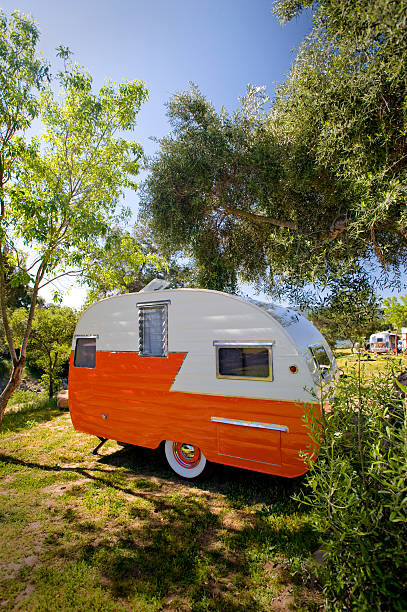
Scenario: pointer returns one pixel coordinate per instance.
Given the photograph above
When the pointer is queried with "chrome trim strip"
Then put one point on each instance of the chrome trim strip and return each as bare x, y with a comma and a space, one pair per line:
250, 424
86, 336
253, 460
242, 343
152, 304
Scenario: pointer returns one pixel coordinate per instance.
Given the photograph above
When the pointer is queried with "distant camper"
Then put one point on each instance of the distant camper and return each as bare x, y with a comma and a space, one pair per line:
382, 342
211, 376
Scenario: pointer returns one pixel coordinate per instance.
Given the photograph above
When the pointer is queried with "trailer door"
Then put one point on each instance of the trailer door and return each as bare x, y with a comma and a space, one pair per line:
244, 433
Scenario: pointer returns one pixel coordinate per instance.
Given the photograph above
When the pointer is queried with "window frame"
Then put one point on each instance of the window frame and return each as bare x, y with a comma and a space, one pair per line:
142, 306
218, 344
324, 373
84, 337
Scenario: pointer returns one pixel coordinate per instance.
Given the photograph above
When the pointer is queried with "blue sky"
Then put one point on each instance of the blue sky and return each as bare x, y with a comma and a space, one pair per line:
221, 45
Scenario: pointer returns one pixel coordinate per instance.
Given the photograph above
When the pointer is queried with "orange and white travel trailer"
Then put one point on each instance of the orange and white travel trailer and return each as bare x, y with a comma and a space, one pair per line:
212, 376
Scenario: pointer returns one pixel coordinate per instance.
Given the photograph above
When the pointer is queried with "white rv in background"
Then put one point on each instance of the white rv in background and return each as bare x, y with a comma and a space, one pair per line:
382, 342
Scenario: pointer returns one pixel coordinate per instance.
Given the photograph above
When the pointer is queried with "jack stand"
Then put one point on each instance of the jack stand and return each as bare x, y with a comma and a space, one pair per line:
101, 443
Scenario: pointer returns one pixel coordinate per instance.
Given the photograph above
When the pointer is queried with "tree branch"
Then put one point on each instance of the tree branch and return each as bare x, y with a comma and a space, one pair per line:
6, 322
70, 273
31, 314
238, 212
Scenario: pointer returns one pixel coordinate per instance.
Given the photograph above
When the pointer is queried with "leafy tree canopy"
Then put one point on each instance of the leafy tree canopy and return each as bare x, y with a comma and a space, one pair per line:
126, 262
50, 340
344, 104
395, 311
298, 192
59, 193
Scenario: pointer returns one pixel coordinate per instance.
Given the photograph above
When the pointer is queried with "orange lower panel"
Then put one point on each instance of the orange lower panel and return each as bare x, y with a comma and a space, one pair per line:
128, 398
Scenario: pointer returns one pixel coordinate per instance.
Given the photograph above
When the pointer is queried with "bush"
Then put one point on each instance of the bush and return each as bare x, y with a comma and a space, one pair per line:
357, 490
5, 366
22, 399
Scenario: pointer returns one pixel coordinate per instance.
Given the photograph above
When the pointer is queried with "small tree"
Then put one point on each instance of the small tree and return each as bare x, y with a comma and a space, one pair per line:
395, 312
126, 262
50, 340
69, 182
350, 312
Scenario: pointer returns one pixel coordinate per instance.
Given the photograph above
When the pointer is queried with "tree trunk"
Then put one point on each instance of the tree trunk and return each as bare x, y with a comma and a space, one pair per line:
18, 364
51, 381
11, 386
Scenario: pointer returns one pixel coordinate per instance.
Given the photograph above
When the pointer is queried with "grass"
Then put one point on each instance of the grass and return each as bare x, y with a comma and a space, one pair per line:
121, 532
371, 364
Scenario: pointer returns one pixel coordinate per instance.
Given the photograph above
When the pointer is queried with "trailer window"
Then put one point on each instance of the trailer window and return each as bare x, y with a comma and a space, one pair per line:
85, 353
153, 331
252, 362
321, 359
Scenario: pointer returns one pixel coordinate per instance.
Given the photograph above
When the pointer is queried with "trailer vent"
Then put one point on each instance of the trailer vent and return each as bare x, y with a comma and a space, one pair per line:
153, 330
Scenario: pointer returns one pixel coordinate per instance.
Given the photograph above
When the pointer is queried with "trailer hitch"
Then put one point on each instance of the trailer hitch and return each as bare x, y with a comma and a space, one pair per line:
101, 443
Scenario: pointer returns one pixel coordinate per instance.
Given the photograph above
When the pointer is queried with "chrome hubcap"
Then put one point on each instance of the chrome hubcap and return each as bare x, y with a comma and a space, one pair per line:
186, 455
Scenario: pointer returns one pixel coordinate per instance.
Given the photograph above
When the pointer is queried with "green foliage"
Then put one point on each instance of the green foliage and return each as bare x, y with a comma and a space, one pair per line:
4, 363
211, 164
22, 75
300, 192
395, 311
69, 187
22, 72
126, 262
59, 194
50, 341
17, 290
358, 495
350, 312
344, 108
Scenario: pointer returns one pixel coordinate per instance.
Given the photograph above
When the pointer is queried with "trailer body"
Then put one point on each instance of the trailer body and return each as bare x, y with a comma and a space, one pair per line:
211, 375
382, 342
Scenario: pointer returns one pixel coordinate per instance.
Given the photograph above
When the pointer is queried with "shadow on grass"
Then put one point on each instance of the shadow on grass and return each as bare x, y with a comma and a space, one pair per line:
175, 552
276, 538
31, 413
170, 561
168, 553
84, 472
240, 487
179, 553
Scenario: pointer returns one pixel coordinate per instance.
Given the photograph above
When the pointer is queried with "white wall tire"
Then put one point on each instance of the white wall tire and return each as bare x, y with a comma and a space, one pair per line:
186, 460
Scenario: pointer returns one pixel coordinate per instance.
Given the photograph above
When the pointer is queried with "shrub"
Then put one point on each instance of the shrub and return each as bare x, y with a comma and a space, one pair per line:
357, 490
5, 366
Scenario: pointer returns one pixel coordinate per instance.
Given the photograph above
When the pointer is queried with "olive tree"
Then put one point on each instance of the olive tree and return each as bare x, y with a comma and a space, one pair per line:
299, 189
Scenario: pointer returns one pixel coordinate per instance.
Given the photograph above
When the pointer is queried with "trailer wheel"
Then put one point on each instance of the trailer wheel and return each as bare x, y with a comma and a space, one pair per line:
186, 460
